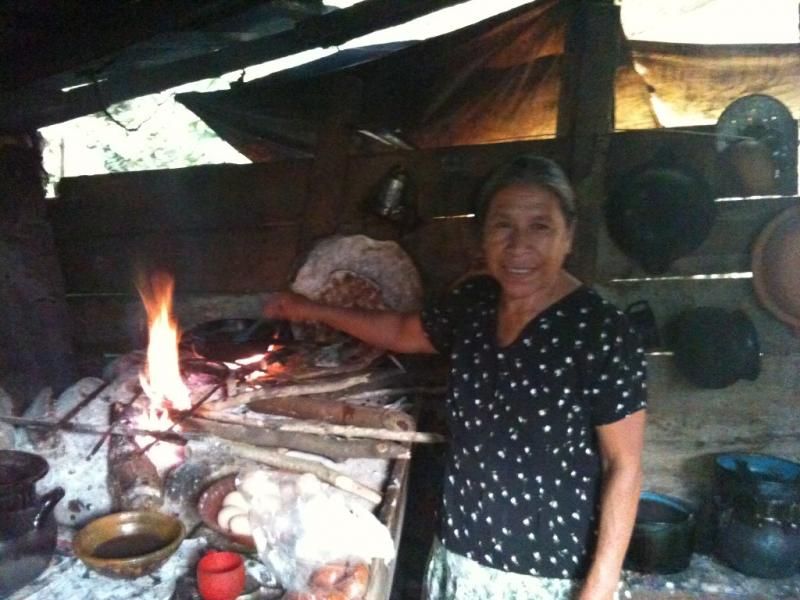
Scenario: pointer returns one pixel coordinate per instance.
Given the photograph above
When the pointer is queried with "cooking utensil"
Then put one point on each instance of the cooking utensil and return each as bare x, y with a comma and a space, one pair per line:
641, 316
663, 535
128, 545
393, 199
656, 214
228, 340
19, 472
775, 265
209, 505
757, 139
740, 475
27, 541
714, 347
757, 544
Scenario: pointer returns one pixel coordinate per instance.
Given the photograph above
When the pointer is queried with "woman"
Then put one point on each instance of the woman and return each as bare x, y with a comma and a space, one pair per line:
545, 403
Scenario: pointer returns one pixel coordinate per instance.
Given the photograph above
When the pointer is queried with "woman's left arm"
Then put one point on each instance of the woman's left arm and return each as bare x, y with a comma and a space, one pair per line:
621, 446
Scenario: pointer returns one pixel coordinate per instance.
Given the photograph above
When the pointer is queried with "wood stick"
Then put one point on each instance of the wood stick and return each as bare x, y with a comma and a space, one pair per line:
335, 412
171, 437
416, 437
83, 403
432, 390
303, 389
282, 391
330, 447
279, 460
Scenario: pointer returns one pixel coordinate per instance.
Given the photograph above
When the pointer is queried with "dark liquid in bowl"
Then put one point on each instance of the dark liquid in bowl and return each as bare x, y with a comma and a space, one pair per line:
128, 546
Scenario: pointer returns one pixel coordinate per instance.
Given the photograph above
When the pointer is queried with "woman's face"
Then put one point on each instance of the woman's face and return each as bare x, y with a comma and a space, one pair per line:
525, 239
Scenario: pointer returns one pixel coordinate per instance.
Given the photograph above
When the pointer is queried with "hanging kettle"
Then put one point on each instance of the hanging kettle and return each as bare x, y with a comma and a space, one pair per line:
393, 199
657, 214
714, 347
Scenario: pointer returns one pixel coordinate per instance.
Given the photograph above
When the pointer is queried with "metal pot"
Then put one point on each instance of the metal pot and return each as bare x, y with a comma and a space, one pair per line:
641, 317
663, 535
758, 545
739, 477
657, 214
19, 472
714, 347
27, 541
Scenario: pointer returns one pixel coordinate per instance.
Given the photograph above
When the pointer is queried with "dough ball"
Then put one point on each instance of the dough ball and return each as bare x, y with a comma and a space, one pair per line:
227, 513
258, 484
236, 498
240, 525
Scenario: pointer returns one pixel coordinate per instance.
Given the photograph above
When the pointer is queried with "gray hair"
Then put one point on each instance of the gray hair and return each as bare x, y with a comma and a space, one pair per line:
527, 169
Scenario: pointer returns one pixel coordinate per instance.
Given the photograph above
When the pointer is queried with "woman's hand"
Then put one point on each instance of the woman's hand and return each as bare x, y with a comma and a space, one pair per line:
391, 330
288, 306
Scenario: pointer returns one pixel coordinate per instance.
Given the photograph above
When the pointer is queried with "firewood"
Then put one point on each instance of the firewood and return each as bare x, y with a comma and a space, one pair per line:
133, 481
283, 390
329, 447
347, 431
279, 460
335, 412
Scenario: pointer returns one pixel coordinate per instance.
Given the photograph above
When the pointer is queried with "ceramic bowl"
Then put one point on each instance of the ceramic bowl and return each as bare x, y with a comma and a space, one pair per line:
127, 545
209, 505
775, 263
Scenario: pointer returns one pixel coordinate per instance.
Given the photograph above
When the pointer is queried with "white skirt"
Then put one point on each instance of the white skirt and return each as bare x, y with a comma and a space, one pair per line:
450, 576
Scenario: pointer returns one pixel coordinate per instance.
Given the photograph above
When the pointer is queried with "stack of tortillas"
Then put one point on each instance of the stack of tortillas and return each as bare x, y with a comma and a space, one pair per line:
357, 271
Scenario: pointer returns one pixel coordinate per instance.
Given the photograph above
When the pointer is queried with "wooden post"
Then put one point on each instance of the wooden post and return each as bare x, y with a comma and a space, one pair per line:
586, 119
36, 349
326, 194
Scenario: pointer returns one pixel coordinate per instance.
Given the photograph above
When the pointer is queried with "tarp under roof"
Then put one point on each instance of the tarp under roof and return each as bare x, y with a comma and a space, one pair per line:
497, 80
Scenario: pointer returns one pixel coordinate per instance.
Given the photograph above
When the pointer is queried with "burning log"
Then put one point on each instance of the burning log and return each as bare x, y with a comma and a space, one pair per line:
329, 447
133, 480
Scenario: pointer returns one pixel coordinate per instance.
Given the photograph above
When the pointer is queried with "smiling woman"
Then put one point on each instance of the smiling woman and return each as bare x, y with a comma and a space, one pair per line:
545, 402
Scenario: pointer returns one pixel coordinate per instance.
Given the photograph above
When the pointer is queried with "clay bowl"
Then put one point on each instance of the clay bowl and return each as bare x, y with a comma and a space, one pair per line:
209, 505
128, 545
775, 264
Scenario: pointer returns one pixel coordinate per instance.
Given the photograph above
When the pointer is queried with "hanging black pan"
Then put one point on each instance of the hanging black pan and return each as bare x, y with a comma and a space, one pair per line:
656, 214
228, 340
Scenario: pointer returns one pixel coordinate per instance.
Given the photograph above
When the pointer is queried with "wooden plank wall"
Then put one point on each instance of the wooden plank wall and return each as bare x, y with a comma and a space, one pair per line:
232, 234
687, 424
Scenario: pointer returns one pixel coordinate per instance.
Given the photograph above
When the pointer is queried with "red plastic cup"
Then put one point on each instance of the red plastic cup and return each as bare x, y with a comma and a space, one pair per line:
220, 575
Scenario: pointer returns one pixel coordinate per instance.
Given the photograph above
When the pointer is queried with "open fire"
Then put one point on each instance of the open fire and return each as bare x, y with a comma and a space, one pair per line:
160, 378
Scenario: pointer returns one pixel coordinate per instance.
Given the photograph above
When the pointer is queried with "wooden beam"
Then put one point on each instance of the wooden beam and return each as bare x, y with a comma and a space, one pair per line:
326, 194
43, 102
585, 118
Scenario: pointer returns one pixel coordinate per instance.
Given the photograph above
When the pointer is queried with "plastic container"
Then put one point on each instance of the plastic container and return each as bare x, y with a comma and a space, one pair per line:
220, 576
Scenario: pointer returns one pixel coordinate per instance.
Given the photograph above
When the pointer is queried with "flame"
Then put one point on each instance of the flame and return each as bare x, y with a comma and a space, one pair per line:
161, 379
163, 455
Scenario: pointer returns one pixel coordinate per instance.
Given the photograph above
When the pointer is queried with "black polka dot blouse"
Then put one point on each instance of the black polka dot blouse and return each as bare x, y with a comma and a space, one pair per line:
522, 480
